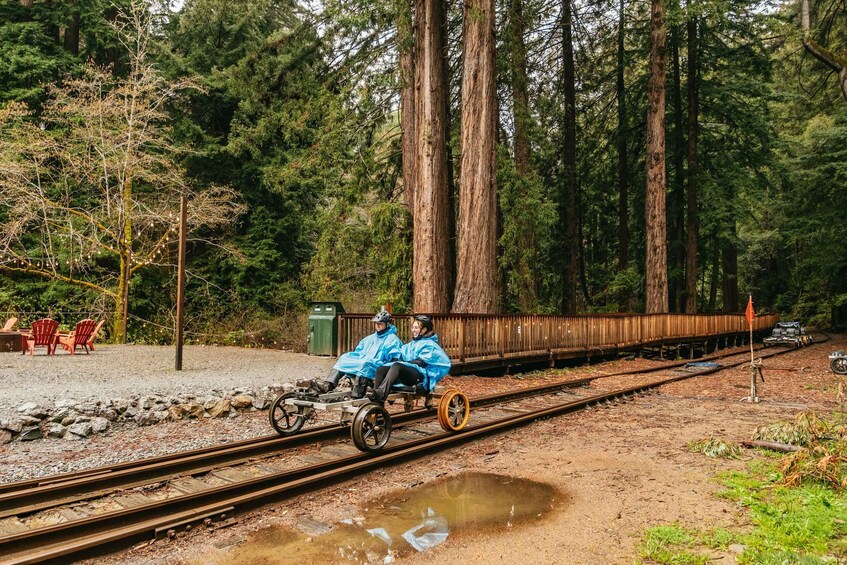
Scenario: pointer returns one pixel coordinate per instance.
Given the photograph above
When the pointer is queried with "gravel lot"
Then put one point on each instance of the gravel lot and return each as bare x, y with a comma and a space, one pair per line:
114, 371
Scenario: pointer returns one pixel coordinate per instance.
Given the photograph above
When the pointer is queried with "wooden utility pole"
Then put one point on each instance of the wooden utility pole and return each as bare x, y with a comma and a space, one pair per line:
180, 284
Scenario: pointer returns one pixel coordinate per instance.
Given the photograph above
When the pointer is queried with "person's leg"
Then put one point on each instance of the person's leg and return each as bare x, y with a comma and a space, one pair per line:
398, 372
331, 381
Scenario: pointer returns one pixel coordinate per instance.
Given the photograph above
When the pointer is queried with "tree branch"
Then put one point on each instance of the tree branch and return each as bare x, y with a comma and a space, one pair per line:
827, 57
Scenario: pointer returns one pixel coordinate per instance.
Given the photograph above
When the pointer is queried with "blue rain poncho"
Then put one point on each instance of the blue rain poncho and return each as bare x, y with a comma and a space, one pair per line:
437, 362
373, 351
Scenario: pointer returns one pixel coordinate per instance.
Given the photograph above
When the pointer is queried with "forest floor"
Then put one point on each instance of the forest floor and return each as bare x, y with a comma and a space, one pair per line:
616, 471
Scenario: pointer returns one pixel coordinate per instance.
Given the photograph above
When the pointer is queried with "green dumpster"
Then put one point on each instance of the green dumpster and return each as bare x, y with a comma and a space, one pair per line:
323, 328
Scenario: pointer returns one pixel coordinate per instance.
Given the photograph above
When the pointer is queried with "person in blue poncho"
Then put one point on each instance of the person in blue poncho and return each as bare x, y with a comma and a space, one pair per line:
422, 361
381, 347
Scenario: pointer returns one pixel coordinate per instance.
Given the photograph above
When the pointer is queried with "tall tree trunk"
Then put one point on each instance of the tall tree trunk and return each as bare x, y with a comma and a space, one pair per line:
837, 63
568, 203
657, 258
730, 271
72, 31
693, 172
431, 267
520, 97
476, 277
623, 192
676, 200
406, 41
527, 293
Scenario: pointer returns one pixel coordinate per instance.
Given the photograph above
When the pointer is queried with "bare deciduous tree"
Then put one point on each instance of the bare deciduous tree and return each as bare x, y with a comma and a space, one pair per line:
89, 192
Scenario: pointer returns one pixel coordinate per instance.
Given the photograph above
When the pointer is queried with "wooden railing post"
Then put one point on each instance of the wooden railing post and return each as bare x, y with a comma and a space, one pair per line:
462, 322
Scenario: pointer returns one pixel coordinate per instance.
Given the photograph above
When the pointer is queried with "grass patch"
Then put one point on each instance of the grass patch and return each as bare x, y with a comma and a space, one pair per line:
796, 504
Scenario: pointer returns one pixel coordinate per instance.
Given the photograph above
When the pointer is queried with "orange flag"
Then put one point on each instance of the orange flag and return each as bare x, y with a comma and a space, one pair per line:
749, 313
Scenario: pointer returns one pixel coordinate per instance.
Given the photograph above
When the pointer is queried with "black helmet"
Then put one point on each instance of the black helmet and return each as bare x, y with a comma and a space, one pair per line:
425, 321
383, 317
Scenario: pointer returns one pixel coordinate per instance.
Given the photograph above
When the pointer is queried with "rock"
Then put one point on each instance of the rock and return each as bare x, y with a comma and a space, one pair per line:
27, 406
148, 402
146, 418
30, 421
130, 413
100, 425
68, 421
737, 548
160, 407
110, 414
65, 403
195, 409
221, 408
55, 430
12, 425
5, 437
87, 408
121, 405
83, 419
60, 415
210, 402
162, 416
178, 411
81, 429
241, 401
260, 403
29, 434
38, 413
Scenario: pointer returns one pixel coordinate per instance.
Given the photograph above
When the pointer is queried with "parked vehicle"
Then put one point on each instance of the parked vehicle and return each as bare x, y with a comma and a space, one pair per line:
788, 333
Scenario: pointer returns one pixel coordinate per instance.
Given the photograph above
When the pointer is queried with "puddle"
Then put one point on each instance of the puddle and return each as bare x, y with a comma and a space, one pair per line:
411, 521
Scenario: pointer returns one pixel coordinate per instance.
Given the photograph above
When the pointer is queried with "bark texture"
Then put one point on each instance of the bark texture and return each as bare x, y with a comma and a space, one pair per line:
657, 258
623, 186
571, 244
676, 194
693, 227
476, 279
432, 246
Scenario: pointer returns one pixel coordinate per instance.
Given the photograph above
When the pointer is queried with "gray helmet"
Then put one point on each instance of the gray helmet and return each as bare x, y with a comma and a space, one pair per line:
383, 317
425, 321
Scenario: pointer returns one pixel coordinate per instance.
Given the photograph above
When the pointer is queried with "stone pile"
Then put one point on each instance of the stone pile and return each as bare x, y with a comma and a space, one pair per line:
74, 420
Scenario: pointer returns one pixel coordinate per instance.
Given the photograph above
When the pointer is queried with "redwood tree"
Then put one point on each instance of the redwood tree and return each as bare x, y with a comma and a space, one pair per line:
657, 258
568, 203
431, 268
476, 279
693, 178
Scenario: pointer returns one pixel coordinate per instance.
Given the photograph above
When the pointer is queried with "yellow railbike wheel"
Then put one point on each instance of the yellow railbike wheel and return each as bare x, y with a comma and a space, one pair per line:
453, 410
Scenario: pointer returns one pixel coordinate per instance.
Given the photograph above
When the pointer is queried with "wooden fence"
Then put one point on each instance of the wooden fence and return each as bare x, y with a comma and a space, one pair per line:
479, 341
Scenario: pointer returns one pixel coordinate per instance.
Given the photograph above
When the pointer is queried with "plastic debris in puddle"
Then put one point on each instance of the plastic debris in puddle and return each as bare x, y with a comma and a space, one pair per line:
411, 521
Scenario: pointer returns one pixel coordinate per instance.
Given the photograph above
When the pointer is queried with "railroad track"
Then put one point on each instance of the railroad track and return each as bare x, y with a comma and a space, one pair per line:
57, 518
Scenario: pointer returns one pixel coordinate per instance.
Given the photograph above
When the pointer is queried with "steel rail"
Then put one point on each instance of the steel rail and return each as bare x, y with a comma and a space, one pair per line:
39, 494
62, 540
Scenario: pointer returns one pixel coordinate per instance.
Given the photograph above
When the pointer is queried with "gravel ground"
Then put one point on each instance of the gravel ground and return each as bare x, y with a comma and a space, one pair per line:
116, 371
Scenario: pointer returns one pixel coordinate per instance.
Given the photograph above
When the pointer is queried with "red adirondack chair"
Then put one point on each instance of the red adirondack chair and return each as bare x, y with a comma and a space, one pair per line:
10, 323
43, 333
90, 342
80, 336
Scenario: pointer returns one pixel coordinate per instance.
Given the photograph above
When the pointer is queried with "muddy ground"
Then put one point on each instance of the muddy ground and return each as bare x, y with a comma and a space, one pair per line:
618, 470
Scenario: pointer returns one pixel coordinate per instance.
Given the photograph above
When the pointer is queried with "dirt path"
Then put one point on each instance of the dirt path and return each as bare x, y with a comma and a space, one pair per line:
619, 470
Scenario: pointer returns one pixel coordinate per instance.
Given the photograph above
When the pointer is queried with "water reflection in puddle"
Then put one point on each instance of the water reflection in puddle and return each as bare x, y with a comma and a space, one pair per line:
414, 520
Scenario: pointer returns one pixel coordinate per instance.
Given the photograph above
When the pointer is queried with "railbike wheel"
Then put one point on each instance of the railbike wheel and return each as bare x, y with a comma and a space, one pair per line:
453, 410
285, 418
839, 365
371, 427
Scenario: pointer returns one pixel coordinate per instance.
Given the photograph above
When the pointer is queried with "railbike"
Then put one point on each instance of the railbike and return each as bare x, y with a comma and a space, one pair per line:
369, 421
